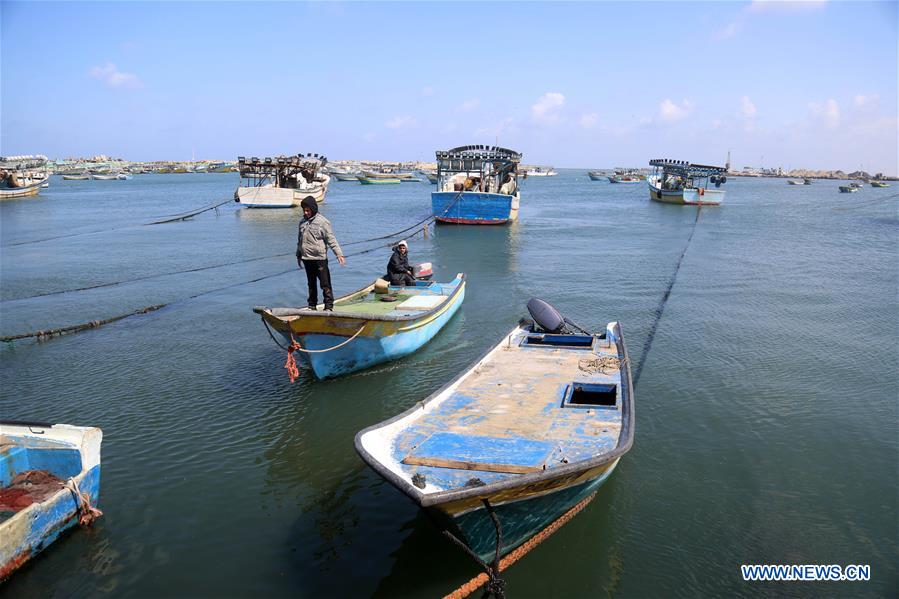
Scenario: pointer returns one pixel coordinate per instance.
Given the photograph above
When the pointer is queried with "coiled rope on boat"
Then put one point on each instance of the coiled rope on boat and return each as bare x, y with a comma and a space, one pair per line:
87, 513
601, 364
492, 576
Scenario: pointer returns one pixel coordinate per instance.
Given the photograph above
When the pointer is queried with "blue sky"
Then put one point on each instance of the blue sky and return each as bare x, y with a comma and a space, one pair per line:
809, 84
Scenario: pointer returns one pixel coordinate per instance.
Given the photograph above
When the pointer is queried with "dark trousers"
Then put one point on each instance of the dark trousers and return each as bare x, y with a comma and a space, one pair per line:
402, 279
318, 270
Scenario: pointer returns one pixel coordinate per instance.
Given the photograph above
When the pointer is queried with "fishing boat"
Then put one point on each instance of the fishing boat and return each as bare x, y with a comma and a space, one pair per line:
793, 182
83, 177
22, 176
596, 176
123, 177
104, 177
879, 184
626, 176
540, 171
376, 324
282, 181
345, 176
385, 173
528, 431
806, 181
848, 189
477, 185
380, 181
680, 182
49, 481
219, 167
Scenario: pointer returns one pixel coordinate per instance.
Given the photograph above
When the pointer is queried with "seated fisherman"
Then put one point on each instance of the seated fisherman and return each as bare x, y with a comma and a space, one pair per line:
398, 270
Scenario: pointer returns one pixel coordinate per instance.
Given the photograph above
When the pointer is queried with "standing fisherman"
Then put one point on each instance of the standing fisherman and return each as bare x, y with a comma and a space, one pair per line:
312, 252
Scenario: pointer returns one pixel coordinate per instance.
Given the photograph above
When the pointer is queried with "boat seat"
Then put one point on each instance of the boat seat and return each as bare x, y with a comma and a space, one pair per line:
511, 455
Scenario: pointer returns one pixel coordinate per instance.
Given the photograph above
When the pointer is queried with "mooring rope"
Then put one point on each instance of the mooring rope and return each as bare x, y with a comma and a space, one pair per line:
483, 578
46, 334
647, 345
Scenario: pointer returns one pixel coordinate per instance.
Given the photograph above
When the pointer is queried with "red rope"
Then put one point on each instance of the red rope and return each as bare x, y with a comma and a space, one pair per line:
291, 364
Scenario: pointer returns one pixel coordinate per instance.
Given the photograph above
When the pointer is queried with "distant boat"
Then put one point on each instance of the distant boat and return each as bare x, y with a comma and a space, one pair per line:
373, 325
792, 182
680, 182
219, 167
123, 177
385, 174
478, 185
531, 430
378, 181
76, 177
540, 171
50, 480
806, 181
100, 177
596, 176
879, 184
626, 178
848, 189
345, 176
282, 181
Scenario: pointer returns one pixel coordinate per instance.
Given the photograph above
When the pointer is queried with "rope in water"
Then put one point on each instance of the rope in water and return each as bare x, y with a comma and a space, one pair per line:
647, 345
483, 578
46, 334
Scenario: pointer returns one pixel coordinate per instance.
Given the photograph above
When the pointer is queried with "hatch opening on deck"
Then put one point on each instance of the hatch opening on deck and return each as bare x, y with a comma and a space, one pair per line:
591, 395
562, 341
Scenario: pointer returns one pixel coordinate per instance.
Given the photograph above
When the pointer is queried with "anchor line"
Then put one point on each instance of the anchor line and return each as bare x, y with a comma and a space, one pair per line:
647, 345
45, 334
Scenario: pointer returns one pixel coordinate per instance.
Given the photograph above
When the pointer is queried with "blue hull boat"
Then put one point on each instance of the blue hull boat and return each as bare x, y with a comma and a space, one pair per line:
474, 208
49, 481
368, 327
528, 432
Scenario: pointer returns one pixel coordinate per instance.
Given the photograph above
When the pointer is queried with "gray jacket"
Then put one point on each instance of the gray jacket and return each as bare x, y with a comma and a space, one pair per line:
313, 234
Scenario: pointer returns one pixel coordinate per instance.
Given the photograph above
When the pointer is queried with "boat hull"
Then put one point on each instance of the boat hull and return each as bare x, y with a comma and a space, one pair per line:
269, 196
368, 181
691, 197
474, 208
33, 528
595, 177
522, 512
378, 341
8, 193
365, 352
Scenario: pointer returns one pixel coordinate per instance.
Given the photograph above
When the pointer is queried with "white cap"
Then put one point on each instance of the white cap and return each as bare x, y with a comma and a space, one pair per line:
403, 242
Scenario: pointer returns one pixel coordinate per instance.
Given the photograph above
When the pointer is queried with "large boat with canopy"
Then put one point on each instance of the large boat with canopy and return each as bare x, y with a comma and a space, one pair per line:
282, 181
681, 182
476, 185
22, 176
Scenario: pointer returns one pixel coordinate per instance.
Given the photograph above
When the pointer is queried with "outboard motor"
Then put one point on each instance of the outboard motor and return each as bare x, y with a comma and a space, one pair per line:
549, 319
423, 271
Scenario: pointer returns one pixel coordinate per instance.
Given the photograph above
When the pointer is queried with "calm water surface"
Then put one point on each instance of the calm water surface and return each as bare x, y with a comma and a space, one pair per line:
766, 409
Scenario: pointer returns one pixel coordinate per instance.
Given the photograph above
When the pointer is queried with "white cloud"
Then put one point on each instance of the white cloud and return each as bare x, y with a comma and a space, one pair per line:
747, 108
468, 105
670, 112
862, 101
547, 108
507, 125
401, 122
728, 31
828, 112
427, 91
109, 74
589, 120
759, 6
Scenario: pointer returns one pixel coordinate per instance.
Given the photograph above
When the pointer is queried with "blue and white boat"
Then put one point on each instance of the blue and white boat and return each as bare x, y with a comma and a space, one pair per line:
680, 182
476, 185
376, 324
49, 481
534, 427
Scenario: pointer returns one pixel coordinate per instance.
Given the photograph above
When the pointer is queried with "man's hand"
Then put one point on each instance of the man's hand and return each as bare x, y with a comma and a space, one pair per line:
342, 260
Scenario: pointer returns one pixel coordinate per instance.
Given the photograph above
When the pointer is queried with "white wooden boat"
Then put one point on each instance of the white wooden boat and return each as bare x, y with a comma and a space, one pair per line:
281, 182
680, 182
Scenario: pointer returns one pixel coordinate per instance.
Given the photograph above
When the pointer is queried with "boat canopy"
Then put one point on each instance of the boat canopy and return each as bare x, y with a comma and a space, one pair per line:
687, 169
285, 170
466, 159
